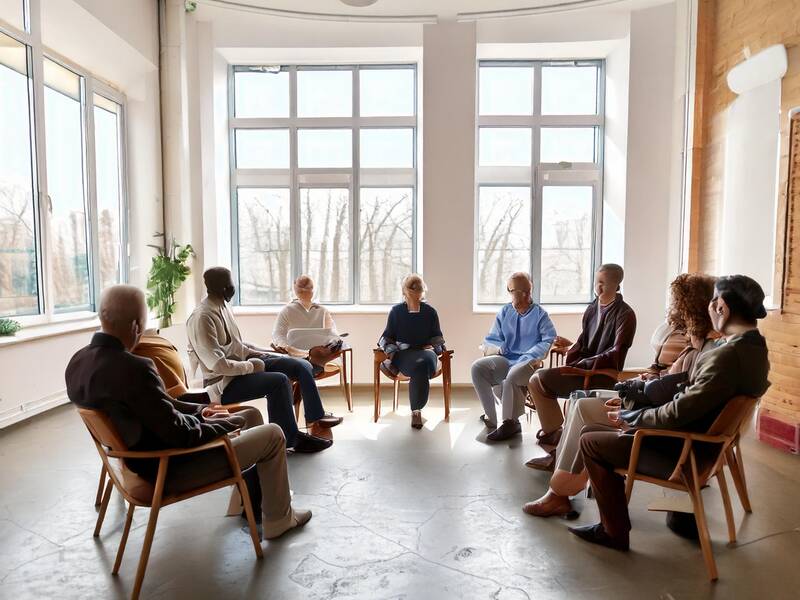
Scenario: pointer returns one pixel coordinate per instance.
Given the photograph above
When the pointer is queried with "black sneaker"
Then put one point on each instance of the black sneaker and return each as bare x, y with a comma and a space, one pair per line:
307, 444
507, 430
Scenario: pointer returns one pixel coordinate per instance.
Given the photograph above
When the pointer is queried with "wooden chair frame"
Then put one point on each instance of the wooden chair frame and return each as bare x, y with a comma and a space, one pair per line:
686, 477
110, 446
445, 360
331, 370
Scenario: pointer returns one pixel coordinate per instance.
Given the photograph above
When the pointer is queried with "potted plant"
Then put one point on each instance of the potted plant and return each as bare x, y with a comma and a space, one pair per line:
168, 271
9, 326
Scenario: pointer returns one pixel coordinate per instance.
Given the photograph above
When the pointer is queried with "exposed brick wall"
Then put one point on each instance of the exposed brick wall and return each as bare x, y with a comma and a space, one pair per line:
726, 28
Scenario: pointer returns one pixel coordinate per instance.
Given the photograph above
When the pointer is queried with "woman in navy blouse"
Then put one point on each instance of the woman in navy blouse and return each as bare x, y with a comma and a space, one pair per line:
413, 340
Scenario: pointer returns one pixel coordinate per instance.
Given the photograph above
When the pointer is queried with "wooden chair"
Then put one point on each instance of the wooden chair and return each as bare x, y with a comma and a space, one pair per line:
688, 477
139, 492
378, 356
331, 370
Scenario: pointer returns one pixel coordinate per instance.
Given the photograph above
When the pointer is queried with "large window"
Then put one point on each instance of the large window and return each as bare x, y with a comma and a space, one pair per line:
539, 177
62, 192
323, 180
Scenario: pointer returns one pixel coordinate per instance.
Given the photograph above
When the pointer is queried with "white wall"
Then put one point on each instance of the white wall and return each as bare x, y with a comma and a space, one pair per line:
117, 41
649, 171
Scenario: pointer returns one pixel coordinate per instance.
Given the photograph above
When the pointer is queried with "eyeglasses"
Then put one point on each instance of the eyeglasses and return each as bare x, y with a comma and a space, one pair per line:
516, 290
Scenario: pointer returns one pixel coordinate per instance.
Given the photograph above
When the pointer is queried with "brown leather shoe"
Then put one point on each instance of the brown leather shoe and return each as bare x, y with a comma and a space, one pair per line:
549, 439
543, 463
320, 431
557, 506
329, 420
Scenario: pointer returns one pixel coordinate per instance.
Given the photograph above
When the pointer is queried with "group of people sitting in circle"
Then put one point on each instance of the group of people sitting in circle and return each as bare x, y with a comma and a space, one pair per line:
708, 351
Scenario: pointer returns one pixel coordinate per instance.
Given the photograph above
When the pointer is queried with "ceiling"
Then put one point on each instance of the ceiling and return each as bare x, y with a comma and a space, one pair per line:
439, 8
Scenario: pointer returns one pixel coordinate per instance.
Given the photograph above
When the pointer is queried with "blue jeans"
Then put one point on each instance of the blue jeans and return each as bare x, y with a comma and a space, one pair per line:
419, 365
302, 372
278, 391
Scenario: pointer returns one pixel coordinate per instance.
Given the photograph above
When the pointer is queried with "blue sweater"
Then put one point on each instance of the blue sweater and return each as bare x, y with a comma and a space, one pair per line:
522, 338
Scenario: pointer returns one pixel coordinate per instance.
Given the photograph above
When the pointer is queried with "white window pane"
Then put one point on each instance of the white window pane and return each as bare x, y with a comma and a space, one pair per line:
569, 90
566, 243
325, 242
325, 148
387, 148
265, 267
386, 226
569, 144
12, 11
262, 148
258, 94
69, 247
504, 147
108, 173
325, 93
506, 91
19, 288
504, 239
387, 92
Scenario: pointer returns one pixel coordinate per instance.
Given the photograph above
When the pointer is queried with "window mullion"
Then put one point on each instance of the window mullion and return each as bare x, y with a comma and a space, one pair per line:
92, 213
46, 299
536, 186
294, 191
355, 193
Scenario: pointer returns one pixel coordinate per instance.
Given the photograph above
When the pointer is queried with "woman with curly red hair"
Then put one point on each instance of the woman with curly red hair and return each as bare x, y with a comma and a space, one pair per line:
690, 294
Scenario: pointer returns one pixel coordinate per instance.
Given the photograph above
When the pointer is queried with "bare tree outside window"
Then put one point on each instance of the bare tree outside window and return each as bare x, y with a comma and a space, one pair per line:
18, 277
385, 242
264, 246
325, 239
566, 243
504, 239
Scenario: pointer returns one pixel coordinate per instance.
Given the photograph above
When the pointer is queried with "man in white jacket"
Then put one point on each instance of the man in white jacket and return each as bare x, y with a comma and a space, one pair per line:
236, 371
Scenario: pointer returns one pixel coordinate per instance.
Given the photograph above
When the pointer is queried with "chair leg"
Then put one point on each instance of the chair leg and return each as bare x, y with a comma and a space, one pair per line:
726, 503
736, 466
103, 506
700, 516
396, 401
296, 400
123, 540
348, 396
151, 528
377, 392
629, 479
251, 521
446, 391
99, 497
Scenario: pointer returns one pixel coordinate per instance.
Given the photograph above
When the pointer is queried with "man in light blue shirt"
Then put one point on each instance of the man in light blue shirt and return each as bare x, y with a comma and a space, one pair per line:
520, 337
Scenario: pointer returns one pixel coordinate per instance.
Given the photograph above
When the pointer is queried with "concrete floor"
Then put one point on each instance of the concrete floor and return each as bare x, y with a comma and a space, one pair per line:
398, 514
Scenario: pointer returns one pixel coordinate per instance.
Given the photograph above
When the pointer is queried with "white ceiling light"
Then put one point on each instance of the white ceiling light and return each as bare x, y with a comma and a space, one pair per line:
358, 2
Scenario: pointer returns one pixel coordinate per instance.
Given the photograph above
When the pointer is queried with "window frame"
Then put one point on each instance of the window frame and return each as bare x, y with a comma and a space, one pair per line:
295, 178
539, 174
37, 52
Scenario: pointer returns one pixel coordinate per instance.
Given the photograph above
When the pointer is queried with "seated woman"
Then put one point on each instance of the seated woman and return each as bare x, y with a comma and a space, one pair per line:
412, 340
304, 313
690, 295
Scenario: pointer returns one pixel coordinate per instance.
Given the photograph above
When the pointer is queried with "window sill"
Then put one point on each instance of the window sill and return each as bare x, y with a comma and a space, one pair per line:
51, 329
336, 309
552, 309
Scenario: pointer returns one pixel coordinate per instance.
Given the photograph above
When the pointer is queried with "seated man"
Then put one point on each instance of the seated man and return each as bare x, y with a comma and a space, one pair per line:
738, 366
304, 313
608, 329
522, 334
105, 376
235, 371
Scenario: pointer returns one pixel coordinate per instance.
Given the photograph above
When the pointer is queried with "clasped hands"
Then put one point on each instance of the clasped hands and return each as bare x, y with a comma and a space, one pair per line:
614, 405
217, 412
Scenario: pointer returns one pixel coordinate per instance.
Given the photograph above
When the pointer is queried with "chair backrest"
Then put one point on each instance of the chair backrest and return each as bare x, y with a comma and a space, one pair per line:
736, 413
102, 429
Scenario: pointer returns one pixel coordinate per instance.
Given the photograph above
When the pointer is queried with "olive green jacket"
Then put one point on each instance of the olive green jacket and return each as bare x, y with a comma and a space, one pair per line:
736, 367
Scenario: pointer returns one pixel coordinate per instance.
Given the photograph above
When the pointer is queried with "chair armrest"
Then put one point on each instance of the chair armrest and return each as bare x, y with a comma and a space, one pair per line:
589, 372
379, 355
219, 442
